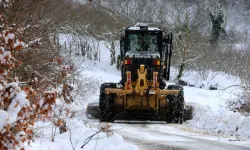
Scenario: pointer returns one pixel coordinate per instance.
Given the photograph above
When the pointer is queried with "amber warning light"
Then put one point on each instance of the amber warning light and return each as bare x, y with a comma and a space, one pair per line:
157, 62
127, 61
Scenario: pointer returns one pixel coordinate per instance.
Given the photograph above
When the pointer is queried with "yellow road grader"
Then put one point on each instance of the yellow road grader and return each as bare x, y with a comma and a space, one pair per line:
142, 94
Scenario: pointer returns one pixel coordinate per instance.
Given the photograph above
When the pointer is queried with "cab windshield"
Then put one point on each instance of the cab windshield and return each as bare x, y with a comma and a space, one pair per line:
142, 42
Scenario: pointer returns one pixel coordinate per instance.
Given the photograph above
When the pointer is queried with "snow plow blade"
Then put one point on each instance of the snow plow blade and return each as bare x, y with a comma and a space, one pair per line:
93, 112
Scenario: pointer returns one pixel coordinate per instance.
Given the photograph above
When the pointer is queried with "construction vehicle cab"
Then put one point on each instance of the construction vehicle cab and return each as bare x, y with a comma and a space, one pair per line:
145, 54
148, 46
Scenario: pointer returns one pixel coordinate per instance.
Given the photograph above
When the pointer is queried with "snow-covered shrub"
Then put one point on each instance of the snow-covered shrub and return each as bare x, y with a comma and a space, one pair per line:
245, 106
20, 106
39, 32
241, 103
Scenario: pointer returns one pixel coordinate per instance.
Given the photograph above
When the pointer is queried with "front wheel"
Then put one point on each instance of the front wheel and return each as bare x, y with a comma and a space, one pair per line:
106, 104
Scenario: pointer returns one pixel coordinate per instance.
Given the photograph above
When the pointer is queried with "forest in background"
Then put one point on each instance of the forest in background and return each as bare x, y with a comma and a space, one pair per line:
188, 20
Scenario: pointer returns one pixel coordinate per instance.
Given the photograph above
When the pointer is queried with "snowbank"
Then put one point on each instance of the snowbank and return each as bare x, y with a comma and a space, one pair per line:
76, 135
205, 80
116, 142
211, 111
220, 121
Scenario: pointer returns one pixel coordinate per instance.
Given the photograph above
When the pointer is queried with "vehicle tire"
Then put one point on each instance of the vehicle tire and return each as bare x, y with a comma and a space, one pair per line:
106, 103
175, 108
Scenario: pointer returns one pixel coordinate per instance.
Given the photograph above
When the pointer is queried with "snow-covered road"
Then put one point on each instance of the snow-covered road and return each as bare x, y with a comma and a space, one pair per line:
162, 136
147, 137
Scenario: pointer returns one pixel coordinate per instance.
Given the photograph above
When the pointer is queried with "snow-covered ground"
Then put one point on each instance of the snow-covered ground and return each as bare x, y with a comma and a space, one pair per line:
212, 119
76, 136
211, 110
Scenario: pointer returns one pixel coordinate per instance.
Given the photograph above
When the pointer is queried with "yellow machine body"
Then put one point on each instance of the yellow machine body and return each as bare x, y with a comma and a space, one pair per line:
141, 94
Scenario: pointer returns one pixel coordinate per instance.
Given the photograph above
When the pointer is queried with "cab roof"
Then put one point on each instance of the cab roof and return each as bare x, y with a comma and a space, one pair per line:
144, 27
149, 28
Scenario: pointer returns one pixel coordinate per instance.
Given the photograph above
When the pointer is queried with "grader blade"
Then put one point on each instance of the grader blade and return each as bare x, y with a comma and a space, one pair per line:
93, 112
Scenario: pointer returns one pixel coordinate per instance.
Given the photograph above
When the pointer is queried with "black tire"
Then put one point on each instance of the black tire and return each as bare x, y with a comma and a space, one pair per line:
175, 110
106, 104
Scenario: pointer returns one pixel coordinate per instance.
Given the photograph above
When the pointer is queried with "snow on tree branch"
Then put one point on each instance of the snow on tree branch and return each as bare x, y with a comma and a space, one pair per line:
19, 106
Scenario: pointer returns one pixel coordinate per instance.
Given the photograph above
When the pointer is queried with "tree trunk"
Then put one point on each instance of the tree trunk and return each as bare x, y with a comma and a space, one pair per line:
182, 67
112, 55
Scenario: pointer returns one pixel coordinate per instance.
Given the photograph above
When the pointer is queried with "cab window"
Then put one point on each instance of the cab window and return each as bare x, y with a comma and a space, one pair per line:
142, 42
134, 42
151, 43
